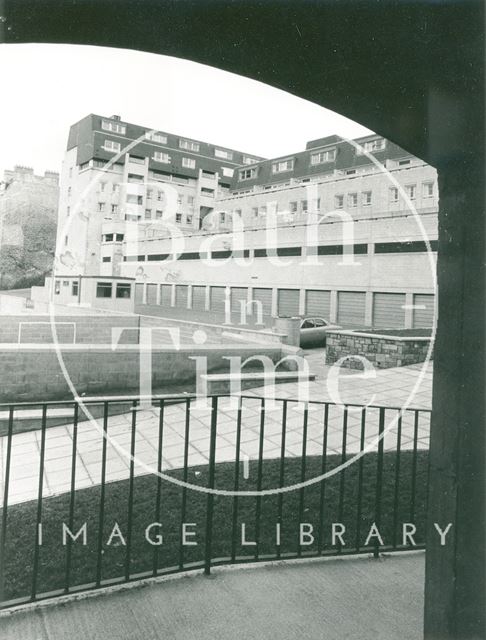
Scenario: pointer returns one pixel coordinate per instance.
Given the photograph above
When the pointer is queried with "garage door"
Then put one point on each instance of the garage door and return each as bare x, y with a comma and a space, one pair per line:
388, 311
181, 296
237, 294
423, 313
217, 297
288, 302
264, 296
318, 303
139, 293
165, 295
151, 294
351, 308
198, 297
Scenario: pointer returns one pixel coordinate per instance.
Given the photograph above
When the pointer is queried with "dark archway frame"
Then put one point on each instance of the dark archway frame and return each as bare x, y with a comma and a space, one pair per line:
412, 71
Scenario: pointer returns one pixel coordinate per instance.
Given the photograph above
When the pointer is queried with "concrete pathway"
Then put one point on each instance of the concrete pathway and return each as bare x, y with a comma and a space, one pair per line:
352, 599
390, 388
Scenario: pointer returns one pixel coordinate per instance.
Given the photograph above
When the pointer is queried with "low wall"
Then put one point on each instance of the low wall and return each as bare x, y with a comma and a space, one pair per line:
383, 351
30, 373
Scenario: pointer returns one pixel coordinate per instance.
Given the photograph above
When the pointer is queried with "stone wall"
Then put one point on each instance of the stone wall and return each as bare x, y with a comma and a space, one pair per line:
383, 351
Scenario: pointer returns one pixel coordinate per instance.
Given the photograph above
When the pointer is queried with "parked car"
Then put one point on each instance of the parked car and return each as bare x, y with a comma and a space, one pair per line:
313, 332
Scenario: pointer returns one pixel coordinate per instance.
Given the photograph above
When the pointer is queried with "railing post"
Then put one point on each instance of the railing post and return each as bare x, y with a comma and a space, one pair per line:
210, 500
379, 478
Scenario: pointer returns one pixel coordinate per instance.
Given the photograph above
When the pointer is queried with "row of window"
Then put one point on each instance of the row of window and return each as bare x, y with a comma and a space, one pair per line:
103, 289
415, 246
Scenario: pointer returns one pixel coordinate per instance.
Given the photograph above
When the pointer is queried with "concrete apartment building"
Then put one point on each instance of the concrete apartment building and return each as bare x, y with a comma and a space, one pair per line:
28, 219
165, 212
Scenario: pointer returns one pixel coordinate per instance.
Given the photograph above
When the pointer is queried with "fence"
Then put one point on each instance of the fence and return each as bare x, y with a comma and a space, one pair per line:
168, 484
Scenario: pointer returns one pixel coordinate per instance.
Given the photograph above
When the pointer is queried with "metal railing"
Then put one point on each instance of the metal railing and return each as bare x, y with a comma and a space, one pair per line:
237, 480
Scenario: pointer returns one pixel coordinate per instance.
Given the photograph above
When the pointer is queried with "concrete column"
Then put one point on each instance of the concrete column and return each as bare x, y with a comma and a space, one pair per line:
333, 306
369, 309
189, 296
302, 302
291, 328
157, 294
207, 303
172, 295
144, 293
274, 302
455, 601
408, 310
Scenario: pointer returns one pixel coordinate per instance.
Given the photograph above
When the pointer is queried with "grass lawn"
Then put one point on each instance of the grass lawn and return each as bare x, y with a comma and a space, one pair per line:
296, 506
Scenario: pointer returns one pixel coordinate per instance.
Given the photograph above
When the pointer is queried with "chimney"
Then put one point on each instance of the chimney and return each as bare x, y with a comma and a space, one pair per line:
115, 118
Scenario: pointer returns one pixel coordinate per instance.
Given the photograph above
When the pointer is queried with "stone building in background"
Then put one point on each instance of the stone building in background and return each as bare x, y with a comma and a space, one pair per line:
28, 222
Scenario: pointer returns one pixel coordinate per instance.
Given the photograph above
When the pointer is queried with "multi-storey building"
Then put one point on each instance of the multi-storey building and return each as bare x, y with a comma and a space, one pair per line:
121, 180
343, 229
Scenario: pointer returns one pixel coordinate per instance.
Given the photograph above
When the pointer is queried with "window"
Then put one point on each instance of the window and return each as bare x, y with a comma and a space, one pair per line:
189, 163
293, 207
158, 214
222, 153
102, 186
133, 199
352, 199
403, 163
227, 172
316, 204
237, 212
135, 178
159, 195
323, 156
66, 239
114, 208
263, 210
304, 205
373, 145
178, 217
106, 259
70, 172
254, 211
110, 145
249, 160
69, 192
427, 189
123, 290
136, 159
247, 174
180, 197
190, 200
393, 194
222, 216
75, 288
148, 214
115, 127
339, 201
283, 165
411, 246
350, 172
410, 190
149, 194
101, 206
68, 210
116, 188
57, 287
156, 136
161, 157
119, 237
108, 237
103, 289
207, 192
366, 198
189, 145
189, 218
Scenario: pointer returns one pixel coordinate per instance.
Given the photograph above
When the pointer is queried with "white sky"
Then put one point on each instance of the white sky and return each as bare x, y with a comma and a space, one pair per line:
46, 88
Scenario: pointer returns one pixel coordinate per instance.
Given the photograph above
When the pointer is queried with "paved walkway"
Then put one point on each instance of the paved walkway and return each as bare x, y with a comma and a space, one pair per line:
391, 388
352, 599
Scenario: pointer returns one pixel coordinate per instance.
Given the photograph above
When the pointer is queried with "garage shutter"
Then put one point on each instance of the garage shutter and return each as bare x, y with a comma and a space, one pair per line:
265, 297
351, 308
423, 317
181, 296
237, 294
217, 298
318, 303
151, 294
388, 311
165, 294
288, 302
138, 293
198, 297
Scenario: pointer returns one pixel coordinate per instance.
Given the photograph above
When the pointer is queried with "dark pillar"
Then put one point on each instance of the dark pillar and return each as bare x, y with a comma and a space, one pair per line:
455, 603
